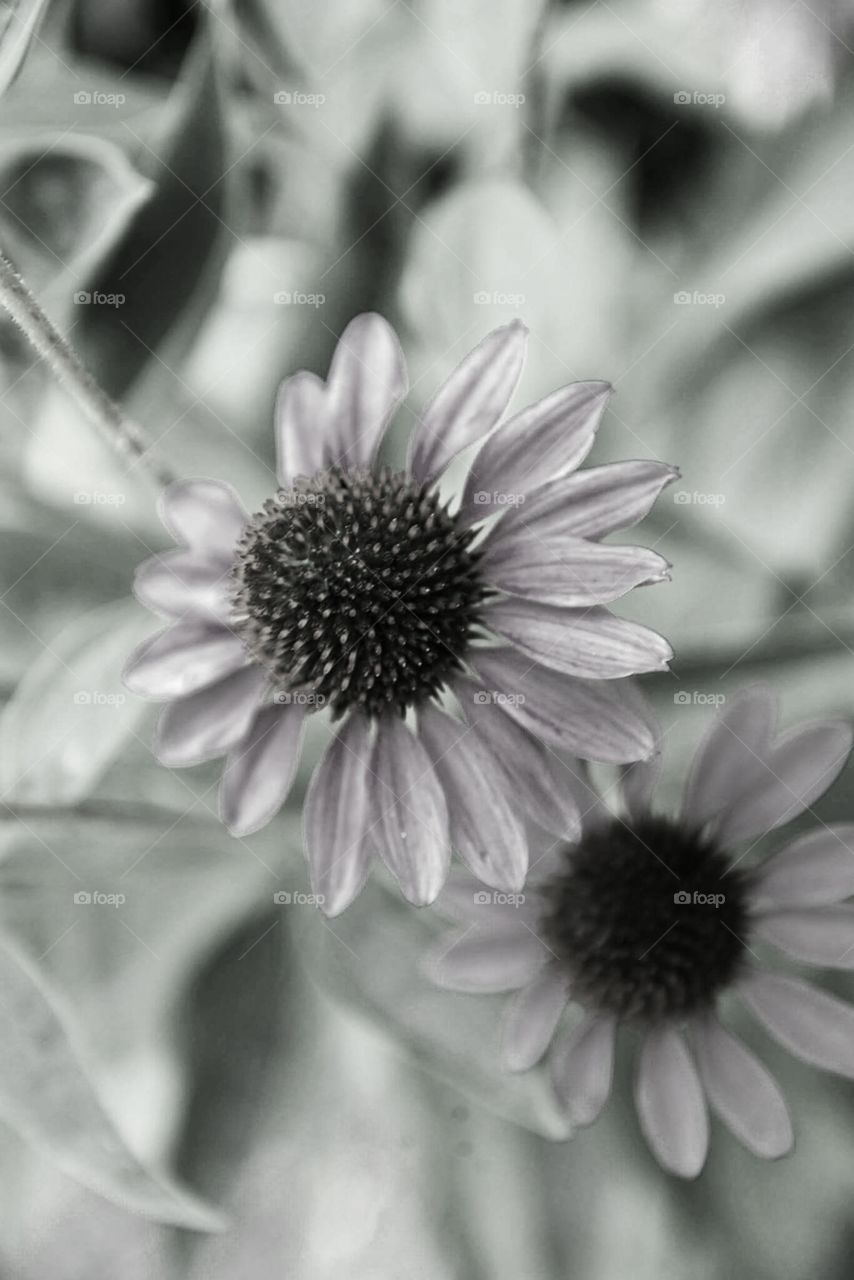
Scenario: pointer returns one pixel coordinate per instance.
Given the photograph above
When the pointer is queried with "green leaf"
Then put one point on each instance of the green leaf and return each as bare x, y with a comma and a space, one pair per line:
70, 715
46, 1096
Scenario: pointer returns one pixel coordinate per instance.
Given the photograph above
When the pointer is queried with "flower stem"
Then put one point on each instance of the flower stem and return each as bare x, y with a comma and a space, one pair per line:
69, 369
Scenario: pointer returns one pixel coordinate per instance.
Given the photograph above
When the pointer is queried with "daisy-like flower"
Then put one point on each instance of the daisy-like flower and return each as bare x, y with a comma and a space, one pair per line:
648, 922
356, 590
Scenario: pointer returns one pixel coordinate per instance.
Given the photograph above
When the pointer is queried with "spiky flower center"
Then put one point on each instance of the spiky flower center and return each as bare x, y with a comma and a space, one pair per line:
360, 587
648, 920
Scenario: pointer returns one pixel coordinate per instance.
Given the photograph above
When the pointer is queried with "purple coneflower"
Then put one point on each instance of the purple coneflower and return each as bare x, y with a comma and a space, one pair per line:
647, 922
357, 590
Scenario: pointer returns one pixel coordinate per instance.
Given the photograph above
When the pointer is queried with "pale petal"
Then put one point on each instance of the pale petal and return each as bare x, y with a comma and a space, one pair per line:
204, 514
532, 1018
182, 659
590, 503
465, 899
670, 1103
412, 838
210, 722
594, 719
340, 817
637, 784
302, 419
541, 783
742, 1092
589, 643
809, 1023
260, 771
484, 828
367, 381
800, 768
470, 402
582, 1067
730, 758
487, 963
566, 571
814, 870
176, 583
541, 443
817, 935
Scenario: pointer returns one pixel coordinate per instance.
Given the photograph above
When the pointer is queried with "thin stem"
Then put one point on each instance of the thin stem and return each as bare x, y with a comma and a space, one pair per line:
69, 369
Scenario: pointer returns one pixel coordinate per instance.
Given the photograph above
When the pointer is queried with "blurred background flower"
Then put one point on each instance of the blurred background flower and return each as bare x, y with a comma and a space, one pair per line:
203, 194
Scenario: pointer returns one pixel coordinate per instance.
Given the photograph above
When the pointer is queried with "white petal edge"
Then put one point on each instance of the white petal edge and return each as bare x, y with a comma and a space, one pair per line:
412, 837
582, 1067
260, 770
340, 817
812, 1025
586, 643
815, 935
206, 515
210, 722
531, 1019
670, 1103
812, 871
730, 757
487, 963
185, 657
741, 1091
367, 381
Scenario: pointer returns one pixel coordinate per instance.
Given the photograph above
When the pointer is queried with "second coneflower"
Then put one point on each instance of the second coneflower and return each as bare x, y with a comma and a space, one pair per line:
357, 590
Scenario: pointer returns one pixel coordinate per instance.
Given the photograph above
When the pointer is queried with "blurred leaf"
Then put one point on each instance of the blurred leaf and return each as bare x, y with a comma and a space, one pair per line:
16, 35
46, 1096
66, 200
70, 715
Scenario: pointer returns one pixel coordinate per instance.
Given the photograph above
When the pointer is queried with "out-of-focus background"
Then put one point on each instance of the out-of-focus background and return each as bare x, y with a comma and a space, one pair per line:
202, 194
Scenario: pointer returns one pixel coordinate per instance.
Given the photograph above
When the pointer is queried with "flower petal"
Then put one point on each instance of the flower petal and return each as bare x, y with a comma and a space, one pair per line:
670, 1103
590, 503
484, 828
814, 870
464, 899
594, 719
302, 421
565, 570
181, 582
413, 837
809, 1023
590, 643
730, 757
340, 817
742, 1092
800, 768
542, 784
182, 659
204, 514
818, 935
532, 1018
260, 771
367, 381
539, 444
582, 1067
208, 723
470, 402
488, 963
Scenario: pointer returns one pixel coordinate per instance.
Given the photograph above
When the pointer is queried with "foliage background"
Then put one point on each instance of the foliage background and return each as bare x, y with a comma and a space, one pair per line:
451, 165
